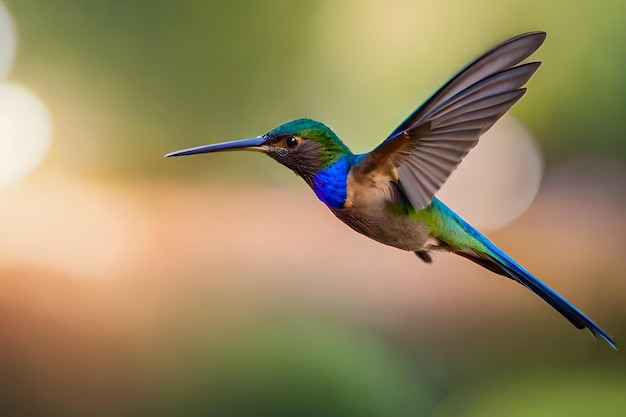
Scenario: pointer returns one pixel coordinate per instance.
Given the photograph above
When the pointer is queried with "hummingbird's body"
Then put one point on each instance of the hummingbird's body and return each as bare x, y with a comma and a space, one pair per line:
388, 194
367, 210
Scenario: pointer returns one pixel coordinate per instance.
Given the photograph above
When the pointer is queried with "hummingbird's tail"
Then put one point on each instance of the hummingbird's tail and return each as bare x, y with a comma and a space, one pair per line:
496, 260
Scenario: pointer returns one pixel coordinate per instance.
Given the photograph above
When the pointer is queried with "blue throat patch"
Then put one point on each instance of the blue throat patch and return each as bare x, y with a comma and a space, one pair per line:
331, 184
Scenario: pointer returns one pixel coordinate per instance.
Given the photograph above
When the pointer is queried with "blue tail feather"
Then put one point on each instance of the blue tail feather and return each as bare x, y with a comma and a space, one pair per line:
515, 271
560, 304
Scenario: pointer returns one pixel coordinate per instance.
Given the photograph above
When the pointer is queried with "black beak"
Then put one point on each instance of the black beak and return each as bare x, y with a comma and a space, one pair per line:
252, 144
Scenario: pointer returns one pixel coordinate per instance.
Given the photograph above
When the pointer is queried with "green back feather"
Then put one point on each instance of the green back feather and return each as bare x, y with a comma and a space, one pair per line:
445, 224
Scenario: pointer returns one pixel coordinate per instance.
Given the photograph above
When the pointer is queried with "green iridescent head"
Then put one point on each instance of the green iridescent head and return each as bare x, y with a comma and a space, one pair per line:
310, 130
305, 145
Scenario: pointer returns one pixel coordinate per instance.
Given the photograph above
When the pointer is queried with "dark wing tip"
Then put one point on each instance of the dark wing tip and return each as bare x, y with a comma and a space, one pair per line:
535, 39
539, 35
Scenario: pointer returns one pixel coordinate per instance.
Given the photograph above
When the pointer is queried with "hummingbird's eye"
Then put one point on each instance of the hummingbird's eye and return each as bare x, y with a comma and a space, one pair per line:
291, 141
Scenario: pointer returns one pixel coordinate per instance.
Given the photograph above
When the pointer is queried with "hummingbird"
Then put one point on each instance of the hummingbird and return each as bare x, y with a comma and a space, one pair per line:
388, 194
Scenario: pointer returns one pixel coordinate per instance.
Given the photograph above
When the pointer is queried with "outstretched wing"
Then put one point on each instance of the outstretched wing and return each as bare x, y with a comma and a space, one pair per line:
433, 140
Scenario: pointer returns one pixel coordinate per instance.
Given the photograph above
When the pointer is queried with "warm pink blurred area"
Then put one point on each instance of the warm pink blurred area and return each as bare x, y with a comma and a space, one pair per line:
100, 279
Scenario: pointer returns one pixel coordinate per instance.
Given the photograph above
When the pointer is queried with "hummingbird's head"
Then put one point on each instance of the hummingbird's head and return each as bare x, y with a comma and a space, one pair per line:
305, 146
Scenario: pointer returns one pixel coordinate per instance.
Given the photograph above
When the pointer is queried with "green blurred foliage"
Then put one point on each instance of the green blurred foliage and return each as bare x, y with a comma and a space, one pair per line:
151, 75
292, 367
542, 394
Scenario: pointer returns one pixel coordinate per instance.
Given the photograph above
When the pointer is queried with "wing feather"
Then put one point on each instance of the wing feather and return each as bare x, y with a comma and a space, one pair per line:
473, 104
433, 140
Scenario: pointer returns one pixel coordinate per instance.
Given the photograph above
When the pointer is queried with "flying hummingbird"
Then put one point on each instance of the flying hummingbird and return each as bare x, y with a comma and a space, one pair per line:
388, 194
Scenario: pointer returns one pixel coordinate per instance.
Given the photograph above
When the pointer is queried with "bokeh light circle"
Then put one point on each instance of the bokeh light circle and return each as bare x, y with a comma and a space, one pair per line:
25, 132
499, 179
8, 41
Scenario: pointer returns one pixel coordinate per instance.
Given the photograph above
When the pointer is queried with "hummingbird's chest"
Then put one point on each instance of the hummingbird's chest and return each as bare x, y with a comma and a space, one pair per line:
368, 210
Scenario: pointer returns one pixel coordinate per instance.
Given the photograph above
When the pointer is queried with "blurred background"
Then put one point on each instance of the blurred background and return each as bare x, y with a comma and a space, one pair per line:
218, 285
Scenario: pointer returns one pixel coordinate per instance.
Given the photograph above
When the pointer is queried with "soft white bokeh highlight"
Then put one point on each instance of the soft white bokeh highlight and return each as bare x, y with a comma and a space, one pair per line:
8, 41
25, 132
499, 179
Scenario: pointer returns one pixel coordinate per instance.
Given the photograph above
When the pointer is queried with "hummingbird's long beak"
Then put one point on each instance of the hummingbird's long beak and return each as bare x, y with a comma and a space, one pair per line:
252, 144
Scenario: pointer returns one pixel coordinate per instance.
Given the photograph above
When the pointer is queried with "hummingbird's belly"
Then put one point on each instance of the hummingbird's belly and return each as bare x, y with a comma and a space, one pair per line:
379, 223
